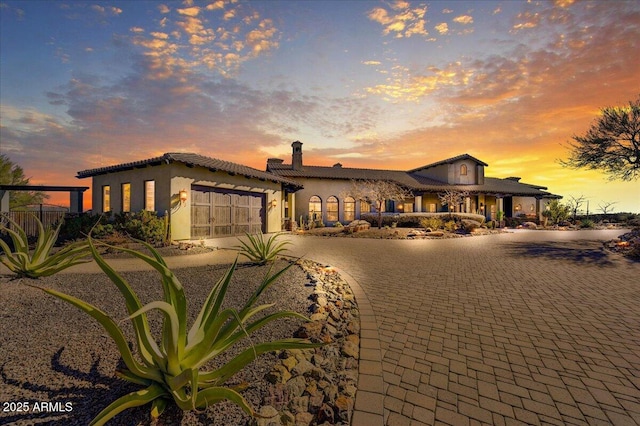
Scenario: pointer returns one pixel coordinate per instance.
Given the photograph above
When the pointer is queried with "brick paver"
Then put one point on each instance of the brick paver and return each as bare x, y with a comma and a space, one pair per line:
530, 327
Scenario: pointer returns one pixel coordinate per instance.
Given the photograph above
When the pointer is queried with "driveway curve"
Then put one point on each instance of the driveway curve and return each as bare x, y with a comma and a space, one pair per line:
529, 327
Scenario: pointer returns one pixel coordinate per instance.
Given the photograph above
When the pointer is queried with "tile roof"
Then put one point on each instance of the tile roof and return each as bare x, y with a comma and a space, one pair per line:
450, 160
410, 179
191, 159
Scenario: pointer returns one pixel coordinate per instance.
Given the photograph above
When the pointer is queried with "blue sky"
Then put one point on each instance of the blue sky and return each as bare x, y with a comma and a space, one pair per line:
381, 84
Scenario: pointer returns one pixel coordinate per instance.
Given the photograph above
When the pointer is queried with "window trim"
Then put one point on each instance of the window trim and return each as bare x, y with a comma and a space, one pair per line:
125, 196
106, 198
333, 214
150, 195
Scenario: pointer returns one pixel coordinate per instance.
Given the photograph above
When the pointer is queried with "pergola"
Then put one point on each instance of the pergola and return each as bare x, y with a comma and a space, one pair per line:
76, 194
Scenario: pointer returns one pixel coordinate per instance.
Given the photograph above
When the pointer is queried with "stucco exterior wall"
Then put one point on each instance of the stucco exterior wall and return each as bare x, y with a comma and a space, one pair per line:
170, 179
136, 177
323, 188
528, 206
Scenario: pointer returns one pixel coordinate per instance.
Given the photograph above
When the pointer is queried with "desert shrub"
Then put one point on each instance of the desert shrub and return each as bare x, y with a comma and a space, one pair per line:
143, 225
258, 250
40, 262
587, 224
338, 225
470, 225
432, 223
450, 225
78, 226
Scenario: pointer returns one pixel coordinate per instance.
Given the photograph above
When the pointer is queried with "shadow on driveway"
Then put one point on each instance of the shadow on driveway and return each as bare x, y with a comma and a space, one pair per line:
577, 251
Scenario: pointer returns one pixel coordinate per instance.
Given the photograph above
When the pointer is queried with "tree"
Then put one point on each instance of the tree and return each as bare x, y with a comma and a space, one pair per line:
452, 198
607, 206
376, 192
612, 143
12, 174
556, 211
575, 203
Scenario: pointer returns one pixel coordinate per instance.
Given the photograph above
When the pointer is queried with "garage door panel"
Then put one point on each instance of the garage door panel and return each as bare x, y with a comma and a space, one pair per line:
216, 213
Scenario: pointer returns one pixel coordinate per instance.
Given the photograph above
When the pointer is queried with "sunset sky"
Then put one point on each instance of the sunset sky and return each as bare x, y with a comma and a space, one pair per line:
376, 84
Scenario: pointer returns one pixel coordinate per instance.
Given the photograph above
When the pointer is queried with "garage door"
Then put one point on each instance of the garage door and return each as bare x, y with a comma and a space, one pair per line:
221, 213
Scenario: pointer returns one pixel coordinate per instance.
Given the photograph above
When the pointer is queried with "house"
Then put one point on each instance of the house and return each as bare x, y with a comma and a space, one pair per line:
207, 198
204, 197
324, 188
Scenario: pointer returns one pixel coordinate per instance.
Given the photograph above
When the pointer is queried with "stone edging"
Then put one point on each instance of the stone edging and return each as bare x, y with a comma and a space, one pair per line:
318, 386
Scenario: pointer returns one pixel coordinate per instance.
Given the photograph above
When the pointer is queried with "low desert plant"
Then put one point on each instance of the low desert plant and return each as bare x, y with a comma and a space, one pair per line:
432, 223
173, 367
41, 262
259, 251
338, 225
450, 226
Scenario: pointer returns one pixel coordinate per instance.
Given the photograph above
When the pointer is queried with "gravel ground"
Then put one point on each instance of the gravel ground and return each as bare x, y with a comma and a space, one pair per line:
52, 352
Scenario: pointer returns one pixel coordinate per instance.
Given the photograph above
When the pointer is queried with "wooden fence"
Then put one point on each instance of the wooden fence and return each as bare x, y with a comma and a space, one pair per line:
27, 219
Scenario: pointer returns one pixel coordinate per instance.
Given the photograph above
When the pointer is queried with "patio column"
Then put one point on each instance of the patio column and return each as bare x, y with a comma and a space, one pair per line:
417, 207
500, 204
4, 200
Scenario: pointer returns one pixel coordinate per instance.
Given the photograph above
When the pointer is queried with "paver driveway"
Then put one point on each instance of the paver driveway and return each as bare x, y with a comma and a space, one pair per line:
531, 327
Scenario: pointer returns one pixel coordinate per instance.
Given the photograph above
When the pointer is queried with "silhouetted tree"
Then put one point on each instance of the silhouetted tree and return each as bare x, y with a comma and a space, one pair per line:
452, 199
612, 143
606, 206
377, 192
12, 174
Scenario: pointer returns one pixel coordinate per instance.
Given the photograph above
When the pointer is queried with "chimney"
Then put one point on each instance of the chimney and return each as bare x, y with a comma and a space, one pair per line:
296, 156
337, 165
513, 178
273, 162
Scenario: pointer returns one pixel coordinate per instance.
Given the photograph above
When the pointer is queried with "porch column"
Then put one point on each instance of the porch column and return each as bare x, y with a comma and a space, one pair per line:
417, 207
540, 208
467, 205
501, 205
76, 202
291, 200
4, 201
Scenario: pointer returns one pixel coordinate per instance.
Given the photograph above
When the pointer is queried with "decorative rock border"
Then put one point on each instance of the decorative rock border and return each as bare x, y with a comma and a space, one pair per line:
318, 386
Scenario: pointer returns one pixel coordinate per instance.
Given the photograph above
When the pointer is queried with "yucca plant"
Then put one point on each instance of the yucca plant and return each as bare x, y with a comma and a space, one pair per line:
259, 251
175, 367
41, 262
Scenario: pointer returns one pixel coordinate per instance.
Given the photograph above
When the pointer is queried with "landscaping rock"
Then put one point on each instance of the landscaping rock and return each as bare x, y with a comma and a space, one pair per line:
323, 380
529, 225
357, 226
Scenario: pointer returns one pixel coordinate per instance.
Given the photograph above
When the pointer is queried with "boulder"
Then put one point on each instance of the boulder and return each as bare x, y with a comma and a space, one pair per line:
357, 226
529, 225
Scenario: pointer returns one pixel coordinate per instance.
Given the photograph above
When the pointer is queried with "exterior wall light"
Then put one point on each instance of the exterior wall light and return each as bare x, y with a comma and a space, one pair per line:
274, 203
183, 196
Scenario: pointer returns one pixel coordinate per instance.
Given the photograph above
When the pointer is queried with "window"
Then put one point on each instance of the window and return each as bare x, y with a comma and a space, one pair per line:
365, 207
532, 209
315, 207
150, 195
463, 170
407, 207
432, 207
332, 209
106, 198
349, 209
126, 197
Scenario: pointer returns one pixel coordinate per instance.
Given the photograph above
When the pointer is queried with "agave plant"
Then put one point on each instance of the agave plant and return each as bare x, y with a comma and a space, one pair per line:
259, 251
174, 369
41, 262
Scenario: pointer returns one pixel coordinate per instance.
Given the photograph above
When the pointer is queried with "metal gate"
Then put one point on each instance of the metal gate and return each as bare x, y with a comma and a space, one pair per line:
223, 213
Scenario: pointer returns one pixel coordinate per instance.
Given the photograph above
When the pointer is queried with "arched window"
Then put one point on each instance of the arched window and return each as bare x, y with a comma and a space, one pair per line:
463, 170
332, 209
365, 207
349, 209
315, 207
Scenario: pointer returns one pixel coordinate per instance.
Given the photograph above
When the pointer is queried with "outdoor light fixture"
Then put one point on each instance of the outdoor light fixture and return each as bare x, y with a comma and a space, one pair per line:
183, 196
274, 203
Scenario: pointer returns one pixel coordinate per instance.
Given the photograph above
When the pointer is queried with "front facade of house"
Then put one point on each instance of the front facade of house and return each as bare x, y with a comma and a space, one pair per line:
324, 192
208, 198
204, 197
